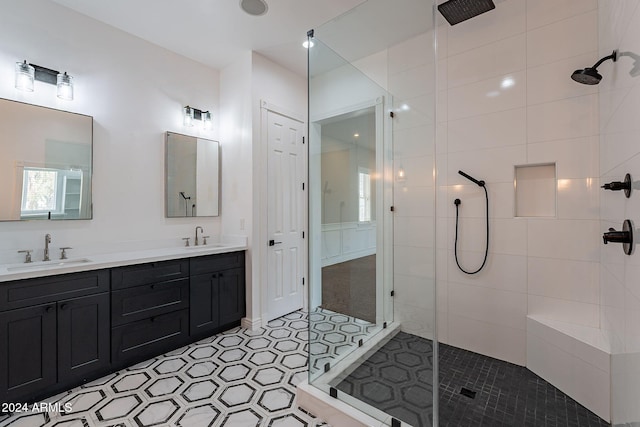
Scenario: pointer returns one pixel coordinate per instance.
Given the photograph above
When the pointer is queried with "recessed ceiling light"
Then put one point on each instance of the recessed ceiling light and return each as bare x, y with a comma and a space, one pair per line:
254, 7
307, 44
355, 135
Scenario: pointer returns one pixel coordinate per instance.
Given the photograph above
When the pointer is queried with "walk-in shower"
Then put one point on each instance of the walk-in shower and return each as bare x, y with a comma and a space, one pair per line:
409, 113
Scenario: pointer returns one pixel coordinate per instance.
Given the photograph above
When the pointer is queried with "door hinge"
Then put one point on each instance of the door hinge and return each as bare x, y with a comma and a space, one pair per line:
303, 281
303, 139
303, 186
391, 209
391, 114
303, 234
393, 293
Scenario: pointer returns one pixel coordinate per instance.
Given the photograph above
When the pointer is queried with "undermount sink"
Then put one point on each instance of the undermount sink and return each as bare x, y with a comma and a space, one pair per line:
208, 245
43, 265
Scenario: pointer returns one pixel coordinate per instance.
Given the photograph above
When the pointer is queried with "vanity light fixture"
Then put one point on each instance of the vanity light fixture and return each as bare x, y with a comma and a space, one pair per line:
26, 74
189, 114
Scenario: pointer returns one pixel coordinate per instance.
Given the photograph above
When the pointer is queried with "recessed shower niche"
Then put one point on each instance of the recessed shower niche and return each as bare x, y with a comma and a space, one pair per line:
535, 187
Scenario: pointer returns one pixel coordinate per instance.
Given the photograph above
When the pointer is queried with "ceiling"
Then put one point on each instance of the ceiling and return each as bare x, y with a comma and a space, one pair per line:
216, 32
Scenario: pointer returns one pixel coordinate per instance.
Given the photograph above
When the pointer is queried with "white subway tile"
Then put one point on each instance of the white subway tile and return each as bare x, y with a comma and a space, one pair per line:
491, 165
574, 158
499, 341
565, 119
488, 305
565, 311
495, 59
501, 129
579, 198
506, 20
543, 12
564, 279
503, 272
557, 41
411, 53
564, 239
488, 96
552, 82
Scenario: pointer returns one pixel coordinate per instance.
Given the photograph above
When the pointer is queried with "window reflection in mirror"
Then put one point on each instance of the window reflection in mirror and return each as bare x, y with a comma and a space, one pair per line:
45, 163
191, 176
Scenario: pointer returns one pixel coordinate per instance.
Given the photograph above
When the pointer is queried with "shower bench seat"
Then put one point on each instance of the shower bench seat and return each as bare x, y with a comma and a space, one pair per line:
574, 358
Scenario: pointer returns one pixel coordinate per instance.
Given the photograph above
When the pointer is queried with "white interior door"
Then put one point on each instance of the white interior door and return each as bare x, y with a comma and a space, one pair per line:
284, 215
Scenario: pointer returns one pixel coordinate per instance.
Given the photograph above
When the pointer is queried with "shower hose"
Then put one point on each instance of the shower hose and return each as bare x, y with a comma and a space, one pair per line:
457, 202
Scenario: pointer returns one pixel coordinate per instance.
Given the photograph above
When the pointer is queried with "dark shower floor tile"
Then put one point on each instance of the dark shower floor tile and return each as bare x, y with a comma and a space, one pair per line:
398, 381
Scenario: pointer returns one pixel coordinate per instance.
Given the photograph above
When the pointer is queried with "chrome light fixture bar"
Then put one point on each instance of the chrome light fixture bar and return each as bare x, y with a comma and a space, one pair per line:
189, 114
26, 74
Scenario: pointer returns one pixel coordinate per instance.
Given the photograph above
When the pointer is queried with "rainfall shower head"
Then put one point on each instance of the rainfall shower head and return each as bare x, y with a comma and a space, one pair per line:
456, 11
590, 75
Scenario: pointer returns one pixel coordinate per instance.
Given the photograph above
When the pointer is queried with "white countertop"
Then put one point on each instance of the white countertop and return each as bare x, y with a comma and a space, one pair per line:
94, 262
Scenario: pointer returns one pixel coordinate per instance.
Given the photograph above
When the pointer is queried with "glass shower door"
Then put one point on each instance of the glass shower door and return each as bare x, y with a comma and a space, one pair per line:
372, 187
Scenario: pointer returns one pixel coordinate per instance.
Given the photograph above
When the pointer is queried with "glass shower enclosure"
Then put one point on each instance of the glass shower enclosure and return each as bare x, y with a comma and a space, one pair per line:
372, 211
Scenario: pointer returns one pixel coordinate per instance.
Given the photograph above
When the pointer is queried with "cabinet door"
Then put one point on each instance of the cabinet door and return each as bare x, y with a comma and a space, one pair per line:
27, 351
83, 337
231, 295
203, 305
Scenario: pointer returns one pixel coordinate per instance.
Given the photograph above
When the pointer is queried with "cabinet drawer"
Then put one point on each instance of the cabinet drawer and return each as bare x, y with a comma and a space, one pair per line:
143, 274
43, 290
141, 302
148, 338
212, 263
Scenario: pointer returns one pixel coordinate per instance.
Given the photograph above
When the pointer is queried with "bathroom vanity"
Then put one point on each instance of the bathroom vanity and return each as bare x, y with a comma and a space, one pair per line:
65, 328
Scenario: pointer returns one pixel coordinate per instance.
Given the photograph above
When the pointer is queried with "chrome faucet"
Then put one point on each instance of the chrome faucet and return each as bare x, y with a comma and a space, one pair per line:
201, 231
47, 240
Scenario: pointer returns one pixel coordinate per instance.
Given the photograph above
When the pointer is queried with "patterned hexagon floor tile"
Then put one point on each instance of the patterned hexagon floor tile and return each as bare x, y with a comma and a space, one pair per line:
157, 413
276, 399
164, 386
200, 390
199, 416
237, 395
269, 376
130, 382
168, 366
118, 407
243, 418
201, 369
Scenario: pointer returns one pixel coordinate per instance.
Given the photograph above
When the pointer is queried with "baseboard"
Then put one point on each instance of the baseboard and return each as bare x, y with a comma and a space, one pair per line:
251, 324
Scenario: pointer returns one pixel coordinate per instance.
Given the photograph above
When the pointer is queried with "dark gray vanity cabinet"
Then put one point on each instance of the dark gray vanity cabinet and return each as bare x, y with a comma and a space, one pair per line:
149, 310
59, 331
217, 292
40, 351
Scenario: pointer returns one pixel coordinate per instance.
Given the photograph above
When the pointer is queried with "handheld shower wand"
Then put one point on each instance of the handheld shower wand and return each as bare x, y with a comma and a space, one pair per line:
480, 183
186, 205
457, 202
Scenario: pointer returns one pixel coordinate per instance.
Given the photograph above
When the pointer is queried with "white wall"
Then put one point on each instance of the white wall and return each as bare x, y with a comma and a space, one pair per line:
542, 266
244, 85
135, 91
619, 23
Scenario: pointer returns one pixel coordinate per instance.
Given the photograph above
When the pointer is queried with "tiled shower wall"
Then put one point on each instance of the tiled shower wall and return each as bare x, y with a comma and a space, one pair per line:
619, 91
505, 98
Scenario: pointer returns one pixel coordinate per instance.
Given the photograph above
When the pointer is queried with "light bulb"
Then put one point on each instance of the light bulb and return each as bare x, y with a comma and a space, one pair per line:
187, 115
206, 120
65, 86
25, 74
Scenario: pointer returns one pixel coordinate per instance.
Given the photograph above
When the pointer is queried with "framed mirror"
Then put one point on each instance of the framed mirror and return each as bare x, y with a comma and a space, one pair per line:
192, 176
46, 158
